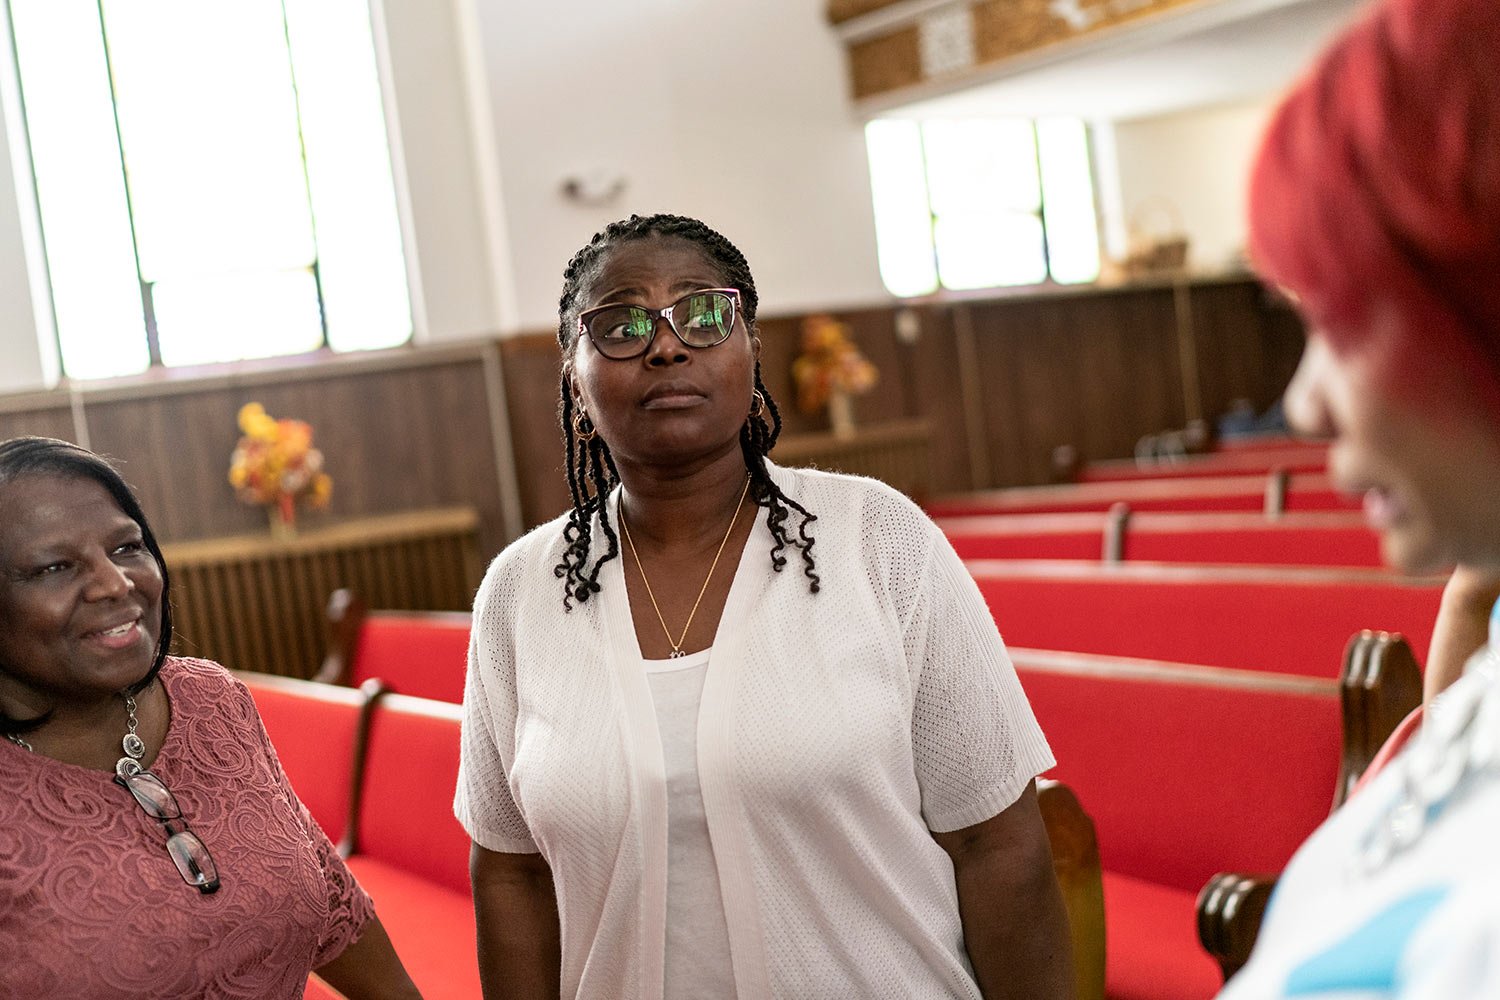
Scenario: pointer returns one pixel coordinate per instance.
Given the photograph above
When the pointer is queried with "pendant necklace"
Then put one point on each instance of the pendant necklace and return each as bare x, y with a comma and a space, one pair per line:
677, 643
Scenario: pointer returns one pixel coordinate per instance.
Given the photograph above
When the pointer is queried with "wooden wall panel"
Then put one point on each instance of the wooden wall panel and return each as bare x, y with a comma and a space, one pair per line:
394, 439
41, 421
1093, 371
533, 367
1248, 345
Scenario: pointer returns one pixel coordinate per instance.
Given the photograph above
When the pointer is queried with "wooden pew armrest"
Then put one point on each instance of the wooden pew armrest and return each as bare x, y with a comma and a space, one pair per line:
1230, 908
345, 615
1075, 859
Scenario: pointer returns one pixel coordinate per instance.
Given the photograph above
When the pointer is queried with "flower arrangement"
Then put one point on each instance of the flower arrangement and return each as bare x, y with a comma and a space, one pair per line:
275, 465
830, 368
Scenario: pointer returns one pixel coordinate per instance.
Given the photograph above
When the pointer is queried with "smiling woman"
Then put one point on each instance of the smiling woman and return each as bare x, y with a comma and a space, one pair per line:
138, 789
742, 781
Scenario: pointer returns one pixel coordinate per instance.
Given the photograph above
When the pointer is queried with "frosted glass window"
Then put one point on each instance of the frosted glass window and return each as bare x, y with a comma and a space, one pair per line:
903, 218
80, 192
201, 319
994, 202
361, 266
215, 179
1068, 187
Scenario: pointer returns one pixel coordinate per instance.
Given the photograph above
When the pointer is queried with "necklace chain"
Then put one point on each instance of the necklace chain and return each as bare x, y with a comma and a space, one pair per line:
131, 743
677, 644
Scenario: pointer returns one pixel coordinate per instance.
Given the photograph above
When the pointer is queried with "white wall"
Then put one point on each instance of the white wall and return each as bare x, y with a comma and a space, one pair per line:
731, 112
1193, 165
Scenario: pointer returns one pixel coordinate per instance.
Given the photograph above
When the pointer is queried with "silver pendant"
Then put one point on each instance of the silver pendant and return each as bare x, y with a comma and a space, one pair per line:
127, 767
133, 746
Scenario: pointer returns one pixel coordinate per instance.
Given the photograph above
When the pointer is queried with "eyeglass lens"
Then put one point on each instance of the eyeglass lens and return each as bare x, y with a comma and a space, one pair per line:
188, 852
702, 319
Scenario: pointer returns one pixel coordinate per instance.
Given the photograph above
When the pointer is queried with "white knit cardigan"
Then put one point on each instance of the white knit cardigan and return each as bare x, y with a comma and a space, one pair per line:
836, 731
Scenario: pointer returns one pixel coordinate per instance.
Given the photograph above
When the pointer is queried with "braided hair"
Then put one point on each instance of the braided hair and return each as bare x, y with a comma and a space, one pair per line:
591, 467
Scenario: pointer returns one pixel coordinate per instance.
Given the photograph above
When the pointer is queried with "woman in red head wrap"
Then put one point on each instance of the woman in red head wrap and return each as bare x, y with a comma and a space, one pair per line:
1375, 203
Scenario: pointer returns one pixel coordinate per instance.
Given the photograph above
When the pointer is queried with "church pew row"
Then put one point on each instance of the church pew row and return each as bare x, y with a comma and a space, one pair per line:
1292, 620
1274, 493
1189, 770
396, 768
393, 763
418, 653
1292, 458
1315, 538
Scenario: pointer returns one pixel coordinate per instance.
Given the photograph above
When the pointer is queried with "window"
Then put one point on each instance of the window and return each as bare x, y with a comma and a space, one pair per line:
982, 203
213, 179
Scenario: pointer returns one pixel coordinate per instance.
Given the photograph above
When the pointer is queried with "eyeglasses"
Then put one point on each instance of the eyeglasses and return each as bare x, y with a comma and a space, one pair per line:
188, 853
704, 318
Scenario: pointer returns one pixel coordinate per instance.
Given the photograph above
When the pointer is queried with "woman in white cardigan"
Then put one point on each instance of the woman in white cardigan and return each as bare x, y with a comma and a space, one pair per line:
709, 752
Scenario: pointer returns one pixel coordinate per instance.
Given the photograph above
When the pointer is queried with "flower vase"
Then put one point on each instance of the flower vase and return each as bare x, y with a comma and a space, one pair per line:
841, 414
283, 519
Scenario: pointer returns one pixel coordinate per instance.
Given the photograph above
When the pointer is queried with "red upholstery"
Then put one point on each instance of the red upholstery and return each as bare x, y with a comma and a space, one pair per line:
1184, 773
1285, 620
412, 855
1243, 493
411, 768
431, 925
1292, 459
313, 728
1319, 538
423, 654
1151, 944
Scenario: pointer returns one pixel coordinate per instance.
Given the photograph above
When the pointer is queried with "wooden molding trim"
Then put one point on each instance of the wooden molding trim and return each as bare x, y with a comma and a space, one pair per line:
884, 37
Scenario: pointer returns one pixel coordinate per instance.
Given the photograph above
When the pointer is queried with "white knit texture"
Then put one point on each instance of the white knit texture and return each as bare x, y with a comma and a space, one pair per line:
837, 731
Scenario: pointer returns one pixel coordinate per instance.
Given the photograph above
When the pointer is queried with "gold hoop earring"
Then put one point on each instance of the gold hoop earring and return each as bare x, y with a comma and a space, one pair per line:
757, 403
583, 427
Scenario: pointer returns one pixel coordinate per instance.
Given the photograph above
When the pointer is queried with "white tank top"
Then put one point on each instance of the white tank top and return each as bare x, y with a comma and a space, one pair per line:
697, 957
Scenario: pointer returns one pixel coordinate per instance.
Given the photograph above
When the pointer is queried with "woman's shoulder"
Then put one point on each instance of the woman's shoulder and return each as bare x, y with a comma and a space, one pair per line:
871, 506
198, 679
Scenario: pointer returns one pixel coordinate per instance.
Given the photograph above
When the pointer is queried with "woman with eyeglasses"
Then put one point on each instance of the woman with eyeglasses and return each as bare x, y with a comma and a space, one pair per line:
1375, 202
150, 845
733, 729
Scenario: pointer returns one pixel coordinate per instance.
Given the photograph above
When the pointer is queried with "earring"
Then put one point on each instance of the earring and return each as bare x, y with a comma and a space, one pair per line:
583, 427
757, 403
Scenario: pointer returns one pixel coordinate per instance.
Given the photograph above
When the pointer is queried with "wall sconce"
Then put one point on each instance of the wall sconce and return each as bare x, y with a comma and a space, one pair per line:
593, 187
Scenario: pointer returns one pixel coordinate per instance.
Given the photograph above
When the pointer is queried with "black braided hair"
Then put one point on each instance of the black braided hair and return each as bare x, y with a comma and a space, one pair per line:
591, 467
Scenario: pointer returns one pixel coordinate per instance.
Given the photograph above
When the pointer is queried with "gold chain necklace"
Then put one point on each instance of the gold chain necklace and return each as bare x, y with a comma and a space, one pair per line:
677, 644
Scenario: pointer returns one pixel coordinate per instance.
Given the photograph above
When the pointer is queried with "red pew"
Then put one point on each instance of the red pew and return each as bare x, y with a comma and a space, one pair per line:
1297, 492
1289, 619
1317, 538
418, 653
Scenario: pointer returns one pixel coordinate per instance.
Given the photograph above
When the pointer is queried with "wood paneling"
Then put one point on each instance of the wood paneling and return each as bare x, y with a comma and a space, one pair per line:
394, 439
1095, 369
40, 420
257, 604
533, 368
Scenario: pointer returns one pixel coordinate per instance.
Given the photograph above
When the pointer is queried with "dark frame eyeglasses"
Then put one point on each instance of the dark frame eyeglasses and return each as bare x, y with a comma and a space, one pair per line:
701, 318
188, 852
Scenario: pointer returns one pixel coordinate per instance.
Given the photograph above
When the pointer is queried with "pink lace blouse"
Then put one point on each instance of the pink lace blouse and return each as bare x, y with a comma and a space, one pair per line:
91, 905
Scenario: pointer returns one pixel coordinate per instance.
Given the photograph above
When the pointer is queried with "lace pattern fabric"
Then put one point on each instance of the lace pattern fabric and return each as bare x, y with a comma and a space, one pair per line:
92, 905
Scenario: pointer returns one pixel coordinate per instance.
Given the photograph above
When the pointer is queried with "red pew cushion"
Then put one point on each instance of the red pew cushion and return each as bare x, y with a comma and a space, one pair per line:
1251, 618
1185, 780
1151, 946
424, 655
431, 926
406, 812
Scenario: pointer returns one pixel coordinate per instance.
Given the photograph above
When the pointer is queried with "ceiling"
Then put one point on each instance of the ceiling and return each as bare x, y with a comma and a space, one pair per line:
1238, 50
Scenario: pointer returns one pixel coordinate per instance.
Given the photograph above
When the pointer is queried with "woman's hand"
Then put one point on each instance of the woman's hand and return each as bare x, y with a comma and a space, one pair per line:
1015, 926
369, 969
1462, 627
515, 907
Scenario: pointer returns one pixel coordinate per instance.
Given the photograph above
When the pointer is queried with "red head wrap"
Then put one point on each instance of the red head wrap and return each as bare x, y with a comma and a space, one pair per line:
1378, 185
